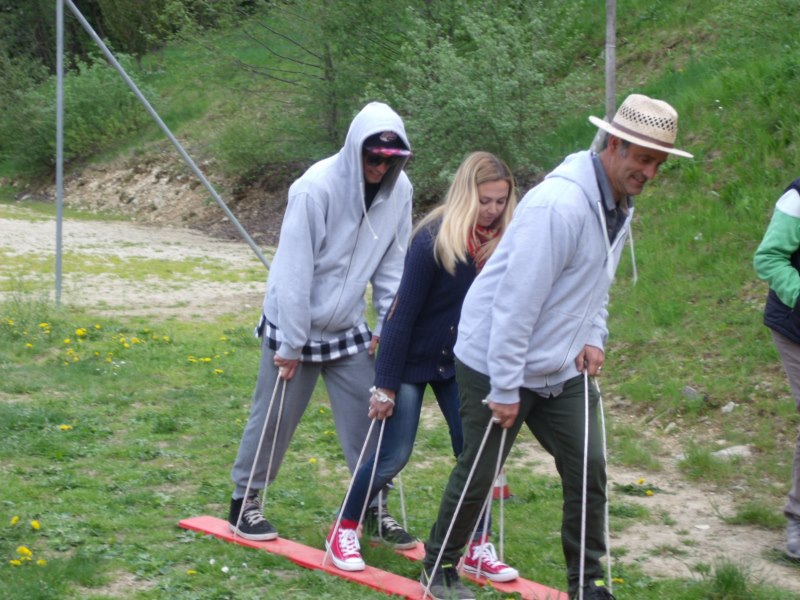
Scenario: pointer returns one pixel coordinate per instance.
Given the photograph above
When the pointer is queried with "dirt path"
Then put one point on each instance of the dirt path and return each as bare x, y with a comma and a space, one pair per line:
686, 527
180, 295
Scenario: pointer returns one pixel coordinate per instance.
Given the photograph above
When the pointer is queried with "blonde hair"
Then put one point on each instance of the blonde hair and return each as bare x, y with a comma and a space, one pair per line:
459, 211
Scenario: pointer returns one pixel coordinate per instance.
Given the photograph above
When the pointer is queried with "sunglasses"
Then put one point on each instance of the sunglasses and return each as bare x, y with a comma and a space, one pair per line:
374, 160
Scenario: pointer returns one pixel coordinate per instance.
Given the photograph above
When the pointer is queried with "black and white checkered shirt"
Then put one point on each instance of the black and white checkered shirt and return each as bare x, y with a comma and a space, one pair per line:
352, 342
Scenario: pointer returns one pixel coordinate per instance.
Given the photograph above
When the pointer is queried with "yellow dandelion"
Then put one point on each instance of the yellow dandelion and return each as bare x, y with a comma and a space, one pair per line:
135, 340
36, 525
29, 345
98, 327
617, 580
126, 345
218, 371
81, 332
14, 520
206, 359
15, 563
41, 562
44, 325
96, 353
223, 338
67, 341
313, 461
65, 427
24, 551
165, 338
641, 481
191, 572
192, 359
648, 493
10, 321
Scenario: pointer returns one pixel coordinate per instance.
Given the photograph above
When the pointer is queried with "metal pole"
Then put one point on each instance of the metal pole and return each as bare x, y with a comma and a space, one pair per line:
611, 58
167, 132
59, 141
610, 71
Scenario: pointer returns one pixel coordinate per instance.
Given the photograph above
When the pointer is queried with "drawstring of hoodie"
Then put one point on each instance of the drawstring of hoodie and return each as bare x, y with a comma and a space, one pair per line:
610, 263
396, 220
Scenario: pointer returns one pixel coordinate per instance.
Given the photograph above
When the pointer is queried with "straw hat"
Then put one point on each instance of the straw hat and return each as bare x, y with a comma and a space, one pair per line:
645, 122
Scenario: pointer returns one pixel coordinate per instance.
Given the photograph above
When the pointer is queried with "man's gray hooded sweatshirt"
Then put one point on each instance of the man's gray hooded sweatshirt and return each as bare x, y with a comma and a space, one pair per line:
542, 295
330, 247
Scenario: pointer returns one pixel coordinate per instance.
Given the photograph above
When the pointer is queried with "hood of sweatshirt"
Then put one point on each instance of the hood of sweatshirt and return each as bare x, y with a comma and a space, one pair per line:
348, 166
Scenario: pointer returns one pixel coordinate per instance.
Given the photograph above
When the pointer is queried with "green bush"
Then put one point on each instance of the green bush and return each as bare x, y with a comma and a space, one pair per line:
99, 112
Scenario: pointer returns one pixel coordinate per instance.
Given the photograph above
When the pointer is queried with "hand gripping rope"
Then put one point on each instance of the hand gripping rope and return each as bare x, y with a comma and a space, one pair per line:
584, 490
436, 565
278, 381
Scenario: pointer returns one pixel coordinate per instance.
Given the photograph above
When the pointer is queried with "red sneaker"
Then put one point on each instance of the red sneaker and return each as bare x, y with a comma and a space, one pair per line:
483, 554
344, 548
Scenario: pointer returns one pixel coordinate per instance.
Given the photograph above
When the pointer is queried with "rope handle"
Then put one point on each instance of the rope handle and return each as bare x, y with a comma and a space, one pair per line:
380, 396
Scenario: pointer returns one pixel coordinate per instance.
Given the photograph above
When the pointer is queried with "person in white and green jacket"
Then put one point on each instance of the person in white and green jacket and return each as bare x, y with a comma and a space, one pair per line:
777, 261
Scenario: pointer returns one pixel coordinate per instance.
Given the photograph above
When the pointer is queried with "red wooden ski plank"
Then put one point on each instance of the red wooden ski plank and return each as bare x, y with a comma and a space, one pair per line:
529, 590
377, 579
311, 558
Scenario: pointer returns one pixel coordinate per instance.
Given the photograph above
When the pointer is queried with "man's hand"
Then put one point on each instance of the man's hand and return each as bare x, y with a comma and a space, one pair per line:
373, 344
381, 410
286, 367
504, 414
590, 359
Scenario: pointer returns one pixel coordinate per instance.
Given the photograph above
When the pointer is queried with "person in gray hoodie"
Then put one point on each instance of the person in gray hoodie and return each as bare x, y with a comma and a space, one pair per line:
533, 330
346, 225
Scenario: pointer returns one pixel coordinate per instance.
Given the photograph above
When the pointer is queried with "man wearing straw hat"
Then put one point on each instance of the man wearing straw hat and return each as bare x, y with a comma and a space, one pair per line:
528, 358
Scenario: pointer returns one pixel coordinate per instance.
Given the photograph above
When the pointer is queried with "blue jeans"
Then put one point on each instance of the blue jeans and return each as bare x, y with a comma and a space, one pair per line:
399, 434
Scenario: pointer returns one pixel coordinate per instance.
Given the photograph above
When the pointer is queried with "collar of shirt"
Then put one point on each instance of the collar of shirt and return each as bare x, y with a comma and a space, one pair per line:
605, 188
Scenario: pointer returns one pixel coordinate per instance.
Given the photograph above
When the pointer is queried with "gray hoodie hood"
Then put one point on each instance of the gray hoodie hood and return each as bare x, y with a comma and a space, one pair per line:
331, 247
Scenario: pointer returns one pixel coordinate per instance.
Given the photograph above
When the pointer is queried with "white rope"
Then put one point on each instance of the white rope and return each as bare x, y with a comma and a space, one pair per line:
486, 510
583, 497
349, 488
258, 450
605, 461
436, 565
275, 436
372, 480
402, 501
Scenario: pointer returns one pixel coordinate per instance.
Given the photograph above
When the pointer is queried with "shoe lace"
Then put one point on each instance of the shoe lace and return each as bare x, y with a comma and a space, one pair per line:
348, 542
486, 555
390, 524
252, 511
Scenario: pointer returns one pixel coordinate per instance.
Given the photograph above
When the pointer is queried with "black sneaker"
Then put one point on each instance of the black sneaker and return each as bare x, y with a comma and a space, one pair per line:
387, 530
253, 525
445, 584
596, 590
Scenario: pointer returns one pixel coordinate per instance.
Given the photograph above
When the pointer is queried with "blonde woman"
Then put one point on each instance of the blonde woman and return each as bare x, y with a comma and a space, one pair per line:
448, 248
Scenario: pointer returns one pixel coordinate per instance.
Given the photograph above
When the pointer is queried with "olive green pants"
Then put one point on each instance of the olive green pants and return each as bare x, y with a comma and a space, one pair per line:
557, 423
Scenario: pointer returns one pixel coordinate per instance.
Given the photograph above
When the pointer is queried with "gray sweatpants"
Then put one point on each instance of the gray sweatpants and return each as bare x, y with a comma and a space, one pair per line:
790, 356
347, 380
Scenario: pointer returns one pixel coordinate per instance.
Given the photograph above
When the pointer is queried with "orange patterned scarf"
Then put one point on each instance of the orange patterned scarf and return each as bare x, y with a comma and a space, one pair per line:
476, 244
